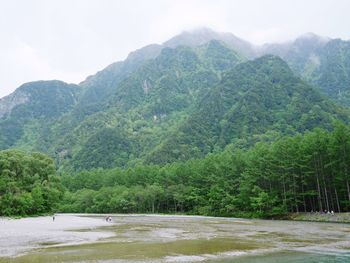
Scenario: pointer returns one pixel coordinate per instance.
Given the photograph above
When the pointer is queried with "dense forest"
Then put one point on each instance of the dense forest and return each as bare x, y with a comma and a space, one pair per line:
28, 184
303, 173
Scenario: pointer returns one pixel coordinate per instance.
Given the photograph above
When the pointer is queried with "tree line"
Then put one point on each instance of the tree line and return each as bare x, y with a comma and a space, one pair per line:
301, 173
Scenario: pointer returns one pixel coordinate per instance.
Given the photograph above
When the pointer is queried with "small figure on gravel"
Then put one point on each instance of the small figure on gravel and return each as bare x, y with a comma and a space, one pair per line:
53, 218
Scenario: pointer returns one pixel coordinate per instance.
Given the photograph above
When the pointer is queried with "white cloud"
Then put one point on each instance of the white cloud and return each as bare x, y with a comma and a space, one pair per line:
68, 40
269, 35
24, 64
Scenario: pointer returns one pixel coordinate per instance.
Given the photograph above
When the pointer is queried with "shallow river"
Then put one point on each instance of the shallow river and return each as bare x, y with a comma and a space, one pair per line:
139, 238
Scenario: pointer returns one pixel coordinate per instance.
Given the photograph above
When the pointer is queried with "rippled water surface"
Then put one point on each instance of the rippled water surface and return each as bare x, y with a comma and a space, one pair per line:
138, 238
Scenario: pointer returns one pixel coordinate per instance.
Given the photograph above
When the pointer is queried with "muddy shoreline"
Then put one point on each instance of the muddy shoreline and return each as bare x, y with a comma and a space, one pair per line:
164, 238
317, 217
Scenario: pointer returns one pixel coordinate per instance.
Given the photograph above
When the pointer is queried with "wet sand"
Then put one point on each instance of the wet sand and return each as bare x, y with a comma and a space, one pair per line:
20, 235
152, 238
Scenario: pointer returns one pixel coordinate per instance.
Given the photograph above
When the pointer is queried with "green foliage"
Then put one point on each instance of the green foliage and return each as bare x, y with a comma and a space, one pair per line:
293, 174
254, 98
28, 184
106, 149
307, 172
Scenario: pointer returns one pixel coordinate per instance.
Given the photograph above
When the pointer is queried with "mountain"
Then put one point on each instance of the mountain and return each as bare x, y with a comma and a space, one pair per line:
204, 35
175, 76
333, 73
255, 97
321, 61
145, 105
31, 107
308, 56
300, 53
103, 83
194, 94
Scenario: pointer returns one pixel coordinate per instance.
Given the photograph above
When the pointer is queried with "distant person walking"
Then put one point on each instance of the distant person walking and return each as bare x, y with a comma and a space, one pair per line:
53, 218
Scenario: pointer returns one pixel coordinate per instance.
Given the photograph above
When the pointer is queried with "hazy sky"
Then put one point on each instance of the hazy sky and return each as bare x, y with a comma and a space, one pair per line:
71, 39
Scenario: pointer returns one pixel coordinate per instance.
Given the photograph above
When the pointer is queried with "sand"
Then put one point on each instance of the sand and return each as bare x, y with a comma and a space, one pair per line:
20, 235
156, 238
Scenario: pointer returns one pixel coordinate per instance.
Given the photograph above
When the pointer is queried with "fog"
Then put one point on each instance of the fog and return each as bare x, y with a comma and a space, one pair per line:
69, 40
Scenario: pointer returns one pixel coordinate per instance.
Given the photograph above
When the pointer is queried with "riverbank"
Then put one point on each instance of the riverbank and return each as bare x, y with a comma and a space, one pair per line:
18, 236
317, 217
310, 217
168, 238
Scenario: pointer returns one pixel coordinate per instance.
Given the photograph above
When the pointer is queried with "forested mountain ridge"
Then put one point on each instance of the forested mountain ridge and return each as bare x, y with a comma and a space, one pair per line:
149, 103
35, 97
297, 53
253, 98
321, 61
176, 75
333, 74
192, 95
105, 82
32, 108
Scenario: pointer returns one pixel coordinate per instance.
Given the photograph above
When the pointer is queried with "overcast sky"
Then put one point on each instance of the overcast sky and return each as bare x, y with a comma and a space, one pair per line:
71, 39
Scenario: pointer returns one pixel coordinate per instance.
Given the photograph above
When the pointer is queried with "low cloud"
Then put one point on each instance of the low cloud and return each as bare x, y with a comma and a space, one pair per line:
68, 40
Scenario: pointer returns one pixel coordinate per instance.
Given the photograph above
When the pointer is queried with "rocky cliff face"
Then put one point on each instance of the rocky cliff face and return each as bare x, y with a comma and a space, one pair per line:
11, 101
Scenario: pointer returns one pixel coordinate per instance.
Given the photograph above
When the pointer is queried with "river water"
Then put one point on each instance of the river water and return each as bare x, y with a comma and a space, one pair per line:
152, 238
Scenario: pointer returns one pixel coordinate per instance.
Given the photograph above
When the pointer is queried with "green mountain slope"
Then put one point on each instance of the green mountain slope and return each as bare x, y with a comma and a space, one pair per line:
333, 74
323, 62
105, 82
254, 98
171, 80
99, 86
146, 105
300, 54
31, 109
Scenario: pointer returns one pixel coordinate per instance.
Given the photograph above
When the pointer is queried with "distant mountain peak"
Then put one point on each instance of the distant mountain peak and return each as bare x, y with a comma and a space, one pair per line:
203, 35
44, 96
194, 37
309, 36
200, 31
146, 52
